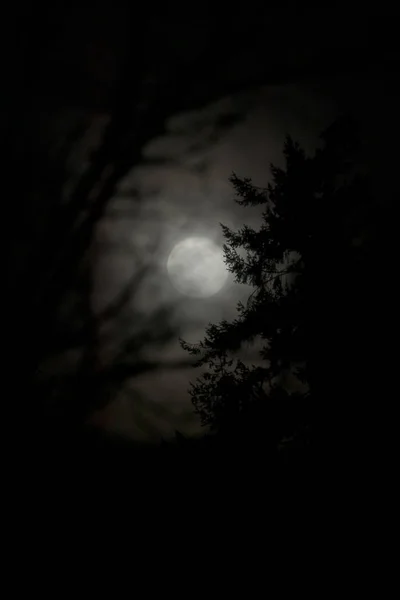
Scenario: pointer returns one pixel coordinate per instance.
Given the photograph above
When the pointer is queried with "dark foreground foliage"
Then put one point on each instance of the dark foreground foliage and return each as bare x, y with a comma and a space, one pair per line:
317, 213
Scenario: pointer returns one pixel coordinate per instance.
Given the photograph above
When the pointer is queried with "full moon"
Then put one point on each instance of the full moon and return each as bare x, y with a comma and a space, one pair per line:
196, 267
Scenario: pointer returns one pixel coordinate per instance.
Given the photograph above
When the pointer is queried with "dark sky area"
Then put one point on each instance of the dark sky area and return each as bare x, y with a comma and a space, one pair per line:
230, 87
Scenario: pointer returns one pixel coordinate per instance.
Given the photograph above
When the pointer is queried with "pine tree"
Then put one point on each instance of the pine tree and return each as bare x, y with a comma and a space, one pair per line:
280, 261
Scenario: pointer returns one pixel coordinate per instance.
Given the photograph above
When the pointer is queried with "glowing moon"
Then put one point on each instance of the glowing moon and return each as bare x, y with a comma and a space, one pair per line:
196, 267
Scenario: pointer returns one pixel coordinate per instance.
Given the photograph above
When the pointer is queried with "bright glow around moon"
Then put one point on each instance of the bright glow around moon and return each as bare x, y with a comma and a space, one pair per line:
196, 267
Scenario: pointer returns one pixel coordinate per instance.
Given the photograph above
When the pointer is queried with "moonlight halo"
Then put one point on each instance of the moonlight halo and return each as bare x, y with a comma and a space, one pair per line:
196, 267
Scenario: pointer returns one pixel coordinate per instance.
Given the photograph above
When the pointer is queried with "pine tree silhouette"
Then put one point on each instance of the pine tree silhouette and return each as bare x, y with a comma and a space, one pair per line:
305, 201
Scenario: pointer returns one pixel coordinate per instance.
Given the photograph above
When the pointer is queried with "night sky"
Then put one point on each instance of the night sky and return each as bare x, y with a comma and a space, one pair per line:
243, 84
